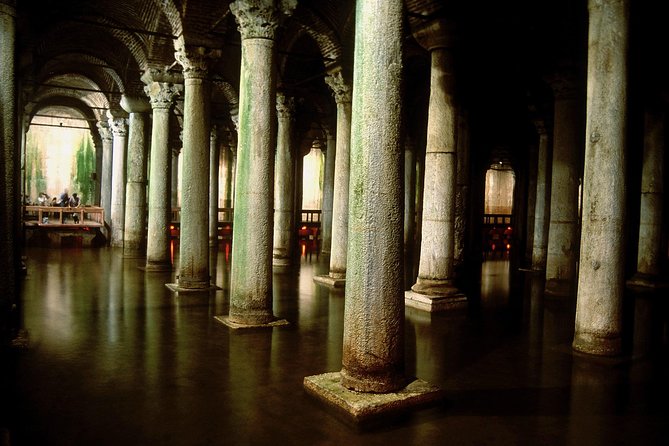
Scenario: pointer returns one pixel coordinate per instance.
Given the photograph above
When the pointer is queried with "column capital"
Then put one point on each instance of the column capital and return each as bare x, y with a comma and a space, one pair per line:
259, 19
540, 126
8, 8
118, 126
565, 85
133, 104
341, 90
213, 132
436, 34
162, 94
285, 106
195, 60
105, 131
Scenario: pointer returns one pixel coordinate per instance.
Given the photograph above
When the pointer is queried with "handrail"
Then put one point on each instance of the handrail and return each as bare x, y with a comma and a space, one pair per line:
94, 213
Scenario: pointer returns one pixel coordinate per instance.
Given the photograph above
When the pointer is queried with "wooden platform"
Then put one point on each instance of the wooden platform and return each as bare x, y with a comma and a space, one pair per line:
49, 226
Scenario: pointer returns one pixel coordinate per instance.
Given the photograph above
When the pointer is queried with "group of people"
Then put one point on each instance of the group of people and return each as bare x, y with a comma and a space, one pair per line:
63, 200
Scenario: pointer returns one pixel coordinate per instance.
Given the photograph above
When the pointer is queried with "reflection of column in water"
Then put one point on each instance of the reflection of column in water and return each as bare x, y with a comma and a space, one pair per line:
213, 266
536, 312
335, 329
642, 340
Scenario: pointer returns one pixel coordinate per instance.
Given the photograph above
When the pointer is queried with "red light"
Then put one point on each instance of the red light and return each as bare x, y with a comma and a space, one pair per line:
171, 227
508, 246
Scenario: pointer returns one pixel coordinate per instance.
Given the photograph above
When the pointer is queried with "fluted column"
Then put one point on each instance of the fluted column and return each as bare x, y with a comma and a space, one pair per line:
106, 177
373, 348
328, 192
134, 237
119, 128
193, 272
435, 288
542, 203
251, 269
562, 250
602, 260
649, 254
214, 159
10, 168
158, 257
284, 183
342, 94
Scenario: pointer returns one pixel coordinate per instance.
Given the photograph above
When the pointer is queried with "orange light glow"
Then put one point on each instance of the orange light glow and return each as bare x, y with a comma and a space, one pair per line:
508, 246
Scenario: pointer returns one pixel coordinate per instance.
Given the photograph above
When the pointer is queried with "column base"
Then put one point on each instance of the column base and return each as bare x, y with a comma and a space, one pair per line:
359, 406
433, 303
641, 280
595, 344
329, 281
558, 288
235, 325
181, 289
132, 254
281, 261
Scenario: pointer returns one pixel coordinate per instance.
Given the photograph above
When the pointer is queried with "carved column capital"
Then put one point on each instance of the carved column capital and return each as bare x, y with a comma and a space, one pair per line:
540, 126
105, 131
119, 126
436, 34
259, 19
565, 85
340, 89
195, 60
285, 106
161, 94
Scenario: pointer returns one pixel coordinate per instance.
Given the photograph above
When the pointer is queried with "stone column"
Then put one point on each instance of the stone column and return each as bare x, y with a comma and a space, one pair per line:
134, 240
409, 195
601, 267
563, 241
328, 192
158, 235
649, 254
434, 289
542, 204
106, 177
373, 359
10, 170
342, 94
461, 192
119, 128
228, 173
284, 183
251, 269
531, 201
174, 177
214, 157
193, 272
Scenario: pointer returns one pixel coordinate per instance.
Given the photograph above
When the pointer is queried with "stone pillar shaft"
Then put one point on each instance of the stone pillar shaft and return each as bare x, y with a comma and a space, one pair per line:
158, 235
542, 203
601, 266
531, 201
174, 178
119, 128
373, 360
134, 241
462, 191
284, 184
328, 192
228, 174
409, 194
563, 240
106, 177
652, 194
214, 164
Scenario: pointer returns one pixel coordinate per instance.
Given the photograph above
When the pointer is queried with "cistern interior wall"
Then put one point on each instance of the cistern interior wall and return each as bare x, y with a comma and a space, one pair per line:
205, 112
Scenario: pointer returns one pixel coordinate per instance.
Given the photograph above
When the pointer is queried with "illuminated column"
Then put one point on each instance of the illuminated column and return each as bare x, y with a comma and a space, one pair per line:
214, 158
228, 172
542, 201
284, 183
649, 255
601, 268
106, 177
134, 237
193, 272
342, 94
563, 240
158, 256
251, 269
119, 128
435, 289
174, 177
328, 192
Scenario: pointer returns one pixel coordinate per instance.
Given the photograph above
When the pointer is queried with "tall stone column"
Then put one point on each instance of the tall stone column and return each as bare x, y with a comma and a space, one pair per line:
10, 173
462, 191
193, 272
531, 201
174, 177
649, 255
434, 289
542, 204
214, 158
228, 173
409, 194
284, 183
328, 192
251, 269
119, 128
373, 359
158, 235
601, 267
134, 237
342, 94
106, 177
563, 241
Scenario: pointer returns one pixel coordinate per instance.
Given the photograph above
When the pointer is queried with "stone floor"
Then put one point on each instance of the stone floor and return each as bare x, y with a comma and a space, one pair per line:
115, 358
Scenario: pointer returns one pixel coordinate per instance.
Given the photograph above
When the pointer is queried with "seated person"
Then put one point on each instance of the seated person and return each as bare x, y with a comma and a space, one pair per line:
74, 202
